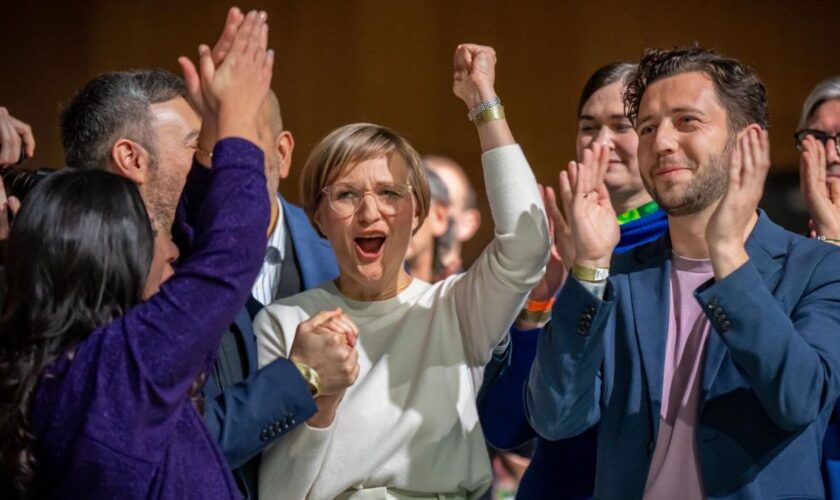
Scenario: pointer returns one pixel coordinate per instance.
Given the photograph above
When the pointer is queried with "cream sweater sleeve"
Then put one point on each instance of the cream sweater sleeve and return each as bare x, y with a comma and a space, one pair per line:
290, 466
490, 294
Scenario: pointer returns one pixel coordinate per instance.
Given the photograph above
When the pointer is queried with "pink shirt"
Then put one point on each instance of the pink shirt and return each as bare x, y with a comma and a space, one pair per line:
674, 469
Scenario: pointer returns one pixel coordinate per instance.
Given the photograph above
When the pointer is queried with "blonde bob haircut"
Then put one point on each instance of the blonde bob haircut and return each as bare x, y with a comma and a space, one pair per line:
346, 146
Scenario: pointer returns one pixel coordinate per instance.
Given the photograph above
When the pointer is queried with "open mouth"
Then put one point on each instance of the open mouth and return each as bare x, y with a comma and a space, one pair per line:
370, 247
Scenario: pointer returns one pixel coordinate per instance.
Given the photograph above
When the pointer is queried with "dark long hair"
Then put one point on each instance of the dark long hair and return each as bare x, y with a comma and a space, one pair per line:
603, 76
77, 257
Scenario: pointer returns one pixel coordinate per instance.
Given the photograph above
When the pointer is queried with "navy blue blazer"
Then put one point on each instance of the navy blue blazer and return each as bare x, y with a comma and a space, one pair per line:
769, 380
247, 417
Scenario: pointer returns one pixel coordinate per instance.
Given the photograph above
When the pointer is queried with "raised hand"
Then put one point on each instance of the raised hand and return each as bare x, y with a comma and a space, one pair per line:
823, 200
14, 135
728, 226
475, 73
218, 53
326, 342
591, 218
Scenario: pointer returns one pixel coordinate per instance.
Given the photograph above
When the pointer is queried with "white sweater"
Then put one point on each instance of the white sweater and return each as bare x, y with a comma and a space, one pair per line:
410, 420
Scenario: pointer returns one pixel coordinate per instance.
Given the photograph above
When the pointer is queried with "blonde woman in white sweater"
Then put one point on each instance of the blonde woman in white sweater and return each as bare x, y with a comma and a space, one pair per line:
408, 427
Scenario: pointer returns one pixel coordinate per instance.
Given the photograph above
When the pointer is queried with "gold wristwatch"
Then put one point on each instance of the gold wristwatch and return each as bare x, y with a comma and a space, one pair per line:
311, 376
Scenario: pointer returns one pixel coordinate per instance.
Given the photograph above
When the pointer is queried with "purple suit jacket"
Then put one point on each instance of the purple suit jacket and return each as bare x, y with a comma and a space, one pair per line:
115, 421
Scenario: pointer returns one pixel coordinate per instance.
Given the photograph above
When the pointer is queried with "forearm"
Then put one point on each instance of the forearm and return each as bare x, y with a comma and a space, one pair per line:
564, 388
178, 333
790, 359
253, 414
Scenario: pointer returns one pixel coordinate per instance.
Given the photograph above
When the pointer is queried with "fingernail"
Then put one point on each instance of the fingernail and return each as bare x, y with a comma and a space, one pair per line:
263, 15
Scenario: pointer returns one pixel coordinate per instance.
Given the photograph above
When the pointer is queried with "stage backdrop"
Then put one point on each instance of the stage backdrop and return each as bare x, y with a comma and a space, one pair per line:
389, 62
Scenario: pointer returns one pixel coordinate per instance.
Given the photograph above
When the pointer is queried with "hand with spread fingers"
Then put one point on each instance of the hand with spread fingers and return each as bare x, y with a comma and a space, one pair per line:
233, 90
729, 225
822, 199
591, 218
16, 139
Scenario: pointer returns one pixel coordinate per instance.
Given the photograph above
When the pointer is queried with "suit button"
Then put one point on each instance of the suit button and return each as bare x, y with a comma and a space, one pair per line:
264, 435
587, 316
725, 325
582, 331
713, 304
272, 432
590, 309
285, 427
292, 421
719, 311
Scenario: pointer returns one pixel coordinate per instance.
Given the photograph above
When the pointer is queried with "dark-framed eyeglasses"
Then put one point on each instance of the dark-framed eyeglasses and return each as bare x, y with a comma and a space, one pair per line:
345, 199
819, 135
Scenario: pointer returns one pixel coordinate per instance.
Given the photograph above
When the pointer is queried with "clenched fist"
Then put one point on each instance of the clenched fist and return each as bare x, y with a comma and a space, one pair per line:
475, 73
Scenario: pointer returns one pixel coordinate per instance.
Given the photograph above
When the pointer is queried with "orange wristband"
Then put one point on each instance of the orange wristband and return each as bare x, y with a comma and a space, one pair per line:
539, 305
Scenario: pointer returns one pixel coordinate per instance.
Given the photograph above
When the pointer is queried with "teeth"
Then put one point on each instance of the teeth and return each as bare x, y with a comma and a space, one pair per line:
370, 236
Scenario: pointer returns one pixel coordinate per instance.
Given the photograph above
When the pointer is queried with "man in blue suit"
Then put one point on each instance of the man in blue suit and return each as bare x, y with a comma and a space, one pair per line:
709, 358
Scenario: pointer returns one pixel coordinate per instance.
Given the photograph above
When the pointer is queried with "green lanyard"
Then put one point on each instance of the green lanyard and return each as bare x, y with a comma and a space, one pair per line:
637, 213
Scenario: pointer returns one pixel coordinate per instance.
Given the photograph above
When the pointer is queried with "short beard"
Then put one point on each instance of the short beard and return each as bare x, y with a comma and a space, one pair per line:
708, 186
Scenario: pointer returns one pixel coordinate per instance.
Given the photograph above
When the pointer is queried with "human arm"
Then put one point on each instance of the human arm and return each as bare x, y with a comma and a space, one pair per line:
490, 294
787, 353
822, 199
251, 415
563, 393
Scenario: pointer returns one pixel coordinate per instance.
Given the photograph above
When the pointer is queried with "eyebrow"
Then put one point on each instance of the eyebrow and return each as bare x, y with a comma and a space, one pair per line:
614, 116
681, 109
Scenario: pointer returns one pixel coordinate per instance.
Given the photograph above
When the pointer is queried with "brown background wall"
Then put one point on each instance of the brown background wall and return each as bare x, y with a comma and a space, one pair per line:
390, 61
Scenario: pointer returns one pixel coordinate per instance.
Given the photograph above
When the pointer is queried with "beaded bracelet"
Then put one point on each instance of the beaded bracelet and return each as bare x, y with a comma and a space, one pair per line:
483, 105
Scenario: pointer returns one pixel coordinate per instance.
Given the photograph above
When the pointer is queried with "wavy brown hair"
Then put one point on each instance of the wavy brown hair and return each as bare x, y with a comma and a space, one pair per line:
738, 88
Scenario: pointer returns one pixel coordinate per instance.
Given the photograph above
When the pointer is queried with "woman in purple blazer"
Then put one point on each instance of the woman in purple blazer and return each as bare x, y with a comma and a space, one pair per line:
98, 356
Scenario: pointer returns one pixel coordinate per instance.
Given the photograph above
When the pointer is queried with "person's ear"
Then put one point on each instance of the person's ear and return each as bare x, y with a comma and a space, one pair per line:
131, 160
744, 131
438, 219
468, 225
319, 224
285, 144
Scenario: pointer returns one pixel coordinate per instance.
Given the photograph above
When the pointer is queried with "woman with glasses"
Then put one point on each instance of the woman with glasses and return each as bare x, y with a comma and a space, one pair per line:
408, 427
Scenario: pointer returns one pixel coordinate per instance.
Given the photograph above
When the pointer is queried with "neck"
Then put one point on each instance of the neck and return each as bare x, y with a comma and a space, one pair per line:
275, 214
623, 202
421, 266
380, 290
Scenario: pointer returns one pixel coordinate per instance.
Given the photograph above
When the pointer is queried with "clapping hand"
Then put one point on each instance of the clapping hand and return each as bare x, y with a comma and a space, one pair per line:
729, 225
823, 200
590, 219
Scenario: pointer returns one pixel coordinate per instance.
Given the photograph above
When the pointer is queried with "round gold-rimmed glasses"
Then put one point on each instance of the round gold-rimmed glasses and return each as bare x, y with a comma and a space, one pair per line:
345, 199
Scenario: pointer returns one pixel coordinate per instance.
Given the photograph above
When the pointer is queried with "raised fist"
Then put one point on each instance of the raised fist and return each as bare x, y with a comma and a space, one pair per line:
474, 73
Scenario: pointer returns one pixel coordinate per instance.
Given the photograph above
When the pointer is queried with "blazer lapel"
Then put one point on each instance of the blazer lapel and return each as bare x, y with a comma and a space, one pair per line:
650, 296
315, 255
